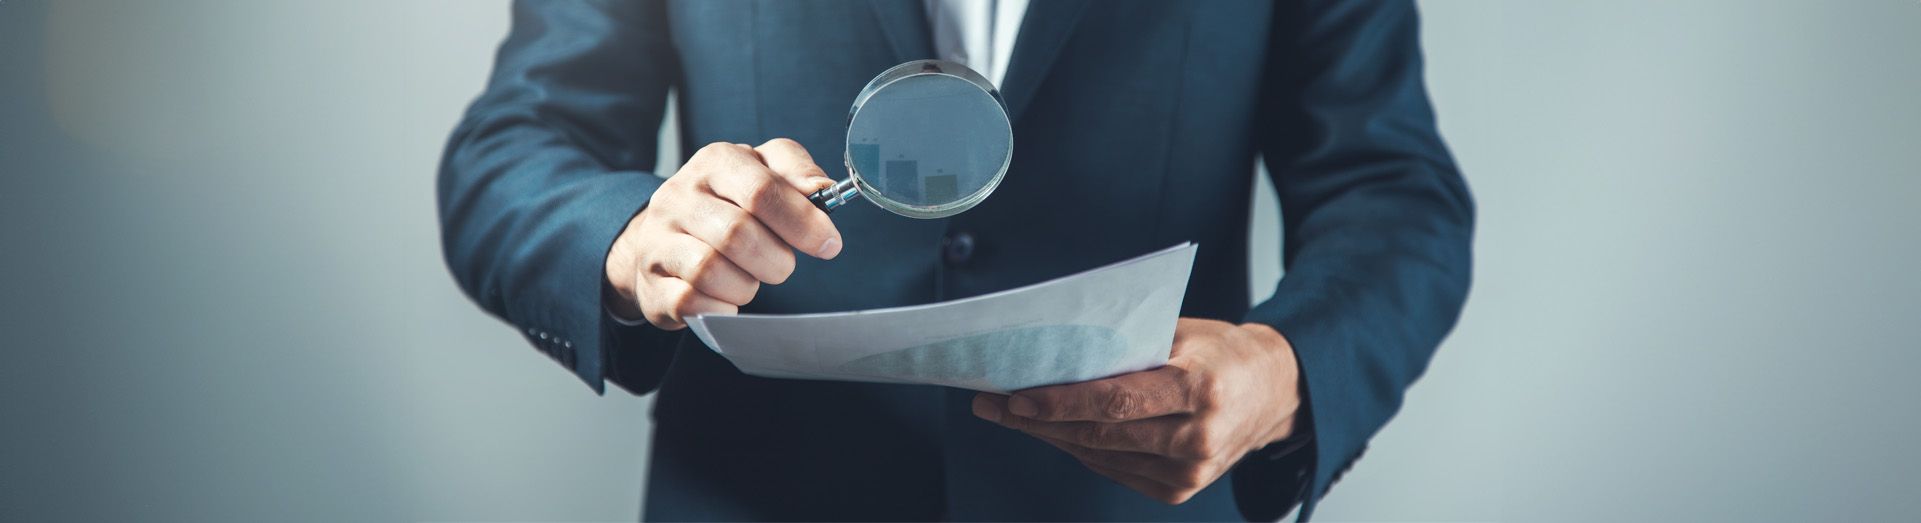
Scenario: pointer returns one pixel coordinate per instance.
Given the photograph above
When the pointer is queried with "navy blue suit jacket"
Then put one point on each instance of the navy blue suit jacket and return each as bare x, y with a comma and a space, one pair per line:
1137, 124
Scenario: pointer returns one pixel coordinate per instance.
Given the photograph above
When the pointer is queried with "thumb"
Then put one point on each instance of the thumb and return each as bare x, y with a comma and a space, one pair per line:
791, 161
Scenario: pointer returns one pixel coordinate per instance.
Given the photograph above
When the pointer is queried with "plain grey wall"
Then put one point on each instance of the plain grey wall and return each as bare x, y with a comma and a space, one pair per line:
222, 297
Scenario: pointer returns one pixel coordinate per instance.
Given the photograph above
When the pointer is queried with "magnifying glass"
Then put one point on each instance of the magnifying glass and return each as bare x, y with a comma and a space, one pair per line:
925, 139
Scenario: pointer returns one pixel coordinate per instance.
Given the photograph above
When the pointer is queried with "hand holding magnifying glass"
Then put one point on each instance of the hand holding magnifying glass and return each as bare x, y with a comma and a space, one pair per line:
926, 139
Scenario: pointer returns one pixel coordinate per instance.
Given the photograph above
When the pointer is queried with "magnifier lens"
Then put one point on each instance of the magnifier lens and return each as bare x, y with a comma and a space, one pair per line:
928, 139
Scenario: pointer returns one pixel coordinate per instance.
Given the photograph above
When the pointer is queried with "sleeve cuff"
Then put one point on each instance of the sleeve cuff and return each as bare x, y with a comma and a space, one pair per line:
624, 322
1274, 479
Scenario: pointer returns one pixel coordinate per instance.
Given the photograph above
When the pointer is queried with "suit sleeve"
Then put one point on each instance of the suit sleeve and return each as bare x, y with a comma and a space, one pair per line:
1378, 224
545, 169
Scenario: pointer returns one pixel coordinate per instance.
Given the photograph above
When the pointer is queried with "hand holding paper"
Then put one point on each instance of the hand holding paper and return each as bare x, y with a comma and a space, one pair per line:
1169, 432
1105, 369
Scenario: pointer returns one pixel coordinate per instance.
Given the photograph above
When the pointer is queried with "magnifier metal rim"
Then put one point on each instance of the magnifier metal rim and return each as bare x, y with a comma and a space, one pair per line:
910, 70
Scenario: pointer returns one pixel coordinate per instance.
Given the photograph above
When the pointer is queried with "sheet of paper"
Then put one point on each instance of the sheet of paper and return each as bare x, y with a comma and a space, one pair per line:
1099, 323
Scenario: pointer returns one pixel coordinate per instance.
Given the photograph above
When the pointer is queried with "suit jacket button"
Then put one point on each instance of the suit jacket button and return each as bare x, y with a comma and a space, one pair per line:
958, 248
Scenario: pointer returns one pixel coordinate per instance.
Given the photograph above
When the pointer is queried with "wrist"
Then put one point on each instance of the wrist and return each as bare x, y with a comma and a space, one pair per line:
1285, 371
621, 272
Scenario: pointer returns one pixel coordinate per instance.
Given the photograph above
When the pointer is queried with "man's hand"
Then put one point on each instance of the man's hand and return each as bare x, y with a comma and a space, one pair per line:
716, 230
1169, 432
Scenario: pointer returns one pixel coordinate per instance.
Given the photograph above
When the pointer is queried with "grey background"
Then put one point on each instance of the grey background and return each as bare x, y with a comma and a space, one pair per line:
222, 299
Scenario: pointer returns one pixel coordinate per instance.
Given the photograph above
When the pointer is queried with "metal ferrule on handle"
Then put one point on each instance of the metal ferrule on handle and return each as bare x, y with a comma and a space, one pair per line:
833, 197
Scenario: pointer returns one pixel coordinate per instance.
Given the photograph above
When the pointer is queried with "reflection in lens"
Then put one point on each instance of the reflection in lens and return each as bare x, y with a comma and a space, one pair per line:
929, 140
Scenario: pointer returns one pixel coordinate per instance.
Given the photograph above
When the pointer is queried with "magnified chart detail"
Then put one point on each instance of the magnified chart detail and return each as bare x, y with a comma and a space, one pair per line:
929, 140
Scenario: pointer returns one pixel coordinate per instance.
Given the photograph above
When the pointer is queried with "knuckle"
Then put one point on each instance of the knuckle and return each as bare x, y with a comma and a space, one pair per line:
682, 302
686, 304
755, 193
671, 192
659, 311
735, 236
1142, 437
715, 148
783, 264
1093, 434
1047, 403
1199, 444
748, 152
1212, 470
1190, 476
692, 189
766, 194
812, 171
1208, 392
1183, 446
704, 156
1120, 405
703, 266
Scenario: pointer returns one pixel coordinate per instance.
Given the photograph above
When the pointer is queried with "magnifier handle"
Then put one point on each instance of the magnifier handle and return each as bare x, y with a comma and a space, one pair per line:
833, 197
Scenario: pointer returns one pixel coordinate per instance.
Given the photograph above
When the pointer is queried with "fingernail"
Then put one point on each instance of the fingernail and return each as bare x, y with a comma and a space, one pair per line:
985, 410
821, 182
1021, 406
828, 249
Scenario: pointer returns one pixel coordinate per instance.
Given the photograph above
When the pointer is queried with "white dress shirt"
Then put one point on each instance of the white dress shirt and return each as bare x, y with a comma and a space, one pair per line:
977, 33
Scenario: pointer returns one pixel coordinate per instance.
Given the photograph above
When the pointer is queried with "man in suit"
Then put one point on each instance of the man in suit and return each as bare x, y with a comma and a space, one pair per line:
1136, 125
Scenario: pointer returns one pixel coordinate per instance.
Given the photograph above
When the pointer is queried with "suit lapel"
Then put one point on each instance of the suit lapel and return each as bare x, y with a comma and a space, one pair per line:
1044, 30
905, 23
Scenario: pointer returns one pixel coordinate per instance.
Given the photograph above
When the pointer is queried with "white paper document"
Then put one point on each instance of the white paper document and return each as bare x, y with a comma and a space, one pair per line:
1100, 323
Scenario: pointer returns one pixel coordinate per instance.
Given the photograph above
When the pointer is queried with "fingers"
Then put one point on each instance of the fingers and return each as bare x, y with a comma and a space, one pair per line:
772, 199
1133, 396
669, 300
1153, 489
726, 222
791, 161
1130, 477
1167, 435
1173, 477
741, 238
694, 262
